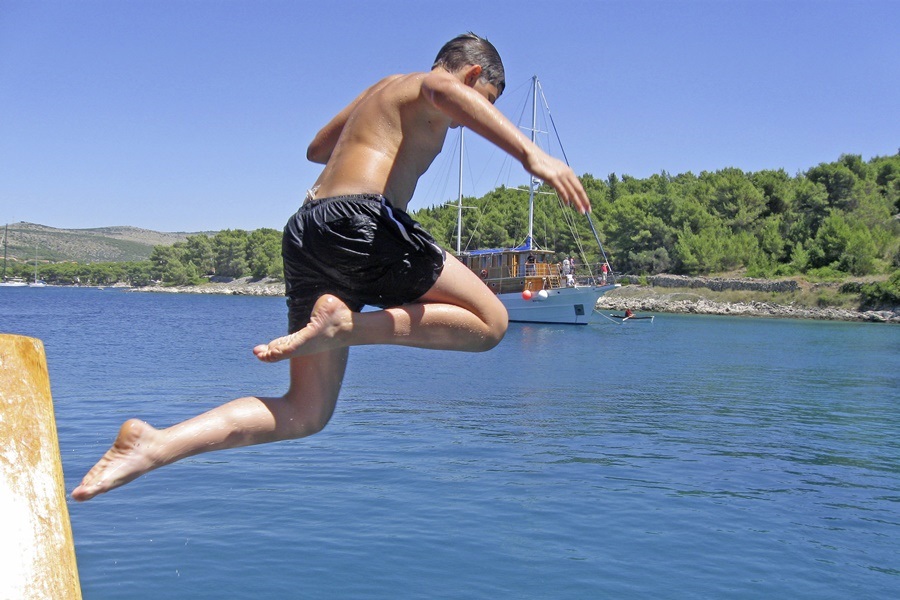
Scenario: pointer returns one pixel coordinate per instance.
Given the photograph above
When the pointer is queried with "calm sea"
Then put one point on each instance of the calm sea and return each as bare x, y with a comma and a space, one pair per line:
695, 457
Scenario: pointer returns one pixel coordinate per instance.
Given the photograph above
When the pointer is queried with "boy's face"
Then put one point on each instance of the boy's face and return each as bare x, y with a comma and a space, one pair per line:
488, 90
471, 76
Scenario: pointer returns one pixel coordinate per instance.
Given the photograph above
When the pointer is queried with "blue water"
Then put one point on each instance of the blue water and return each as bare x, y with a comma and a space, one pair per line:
695, 457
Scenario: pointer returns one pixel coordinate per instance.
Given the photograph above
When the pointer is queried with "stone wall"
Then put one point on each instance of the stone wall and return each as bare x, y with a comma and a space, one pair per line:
716, 283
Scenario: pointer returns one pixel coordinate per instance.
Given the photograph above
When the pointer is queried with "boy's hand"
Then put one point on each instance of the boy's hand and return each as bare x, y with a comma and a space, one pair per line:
561, 177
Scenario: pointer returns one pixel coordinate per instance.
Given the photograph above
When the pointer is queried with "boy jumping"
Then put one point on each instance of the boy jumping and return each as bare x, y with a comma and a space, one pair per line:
351, 244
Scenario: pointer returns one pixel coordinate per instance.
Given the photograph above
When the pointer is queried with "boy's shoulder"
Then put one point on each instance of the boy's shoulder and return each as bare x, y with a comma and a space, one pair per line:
417, 79
403, 89
397, 85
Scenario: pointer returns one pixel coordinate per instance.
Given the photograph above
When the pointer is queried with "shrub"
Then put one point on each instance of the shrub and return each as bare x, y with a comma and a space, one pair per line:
881, 294
825, 274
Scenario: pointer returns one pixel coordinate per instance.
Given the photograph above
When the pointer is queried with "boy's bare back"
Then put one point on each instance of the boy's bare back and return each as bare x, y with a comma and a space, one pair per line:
389, 136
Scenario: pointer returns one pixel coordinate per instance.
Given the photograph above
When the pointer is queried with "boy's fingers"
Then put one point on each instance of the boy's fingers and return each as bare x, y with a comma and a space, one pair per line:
574, 195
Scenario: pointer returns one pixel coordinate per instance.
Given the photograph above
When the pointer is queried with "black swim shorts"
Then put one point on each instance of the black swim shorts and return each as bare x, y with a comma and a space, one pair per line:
359, 248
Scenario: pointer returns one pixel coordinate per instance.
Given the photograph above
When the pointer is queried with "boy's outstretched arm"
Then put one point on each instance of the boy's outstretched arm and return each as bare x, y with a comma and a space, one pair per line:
467, 107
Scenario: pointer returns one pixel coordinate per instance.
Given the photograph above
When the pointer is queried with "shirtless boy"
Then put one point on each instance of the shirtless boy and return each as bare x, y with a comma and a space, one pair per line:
351, 244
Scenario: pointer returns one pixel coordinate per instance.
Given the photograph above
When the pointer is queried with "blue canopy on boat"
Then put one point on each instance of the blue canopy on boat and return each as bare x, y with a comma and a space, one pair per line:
526, 246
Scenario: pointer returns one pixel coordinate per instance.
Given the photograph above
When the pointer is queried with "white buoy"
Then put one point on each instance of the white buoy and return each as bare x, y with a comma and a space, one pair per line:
37, 551
543, 295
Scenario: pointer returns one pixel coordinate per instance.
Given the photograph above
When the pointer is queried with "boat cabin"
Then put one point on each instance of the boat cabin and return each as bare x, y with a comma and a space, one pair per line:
513, 270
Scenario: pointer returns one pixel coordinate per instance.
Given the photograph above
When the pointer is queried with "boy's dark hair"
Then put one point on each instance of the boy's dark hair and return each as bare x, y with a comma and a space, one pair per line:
470, 49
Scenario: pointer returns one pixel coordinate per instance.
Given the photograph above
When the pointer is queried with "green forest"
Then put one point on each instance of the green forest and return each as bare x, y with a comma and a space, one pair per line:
835, 221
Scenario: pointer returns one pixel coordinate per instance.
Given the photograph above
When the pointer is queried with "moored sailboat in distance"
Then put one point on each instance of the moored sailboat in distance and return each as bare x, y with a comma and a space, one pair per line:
37, 282
527, 279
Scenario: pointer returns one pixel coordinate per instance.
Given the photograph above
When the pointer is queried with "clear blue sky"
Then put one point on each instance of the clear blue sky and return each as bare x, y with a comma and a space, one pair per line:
195, 115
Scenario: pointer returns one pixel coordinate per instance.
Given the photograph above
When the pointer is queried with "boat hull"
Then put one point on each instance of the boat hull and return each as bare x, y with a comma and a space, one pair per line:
568, 306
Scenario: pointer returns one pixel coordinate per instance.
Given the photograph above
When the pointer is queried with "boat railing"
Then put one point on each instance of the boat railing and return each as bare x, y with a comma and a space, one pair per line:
594, 274
540, 269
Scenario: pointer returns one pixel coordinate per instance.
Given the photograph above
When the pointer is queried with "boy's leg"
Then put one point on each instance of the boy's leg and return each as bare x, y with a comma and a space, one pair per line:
459, 312
303, 410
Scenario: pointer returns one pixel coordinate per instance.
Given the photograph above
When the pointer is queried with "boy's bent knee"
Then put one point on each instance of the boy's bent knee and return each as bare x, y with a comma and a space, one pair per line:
309, 418
316, 425
309, 425
316, 419
496, 330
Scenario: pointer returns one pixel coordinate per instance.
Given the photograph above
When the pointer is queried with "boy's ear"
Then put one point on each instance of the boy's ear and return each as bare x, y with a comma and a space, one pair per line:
473, 72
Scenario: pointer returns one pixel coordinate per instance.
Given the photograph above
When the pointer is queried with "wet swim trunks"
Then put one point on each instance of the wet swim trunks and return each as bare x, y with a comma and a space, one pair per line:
359, 248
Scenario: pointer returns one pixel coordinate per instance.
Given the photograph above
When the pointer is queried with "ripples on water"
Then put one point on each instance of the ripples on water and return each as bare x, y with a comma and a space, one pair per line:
695, 457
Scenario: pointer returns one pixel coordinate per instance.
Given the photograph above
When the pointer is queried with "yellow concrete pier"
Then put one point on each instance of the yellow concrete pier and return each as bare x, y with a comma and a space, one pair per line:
37, 552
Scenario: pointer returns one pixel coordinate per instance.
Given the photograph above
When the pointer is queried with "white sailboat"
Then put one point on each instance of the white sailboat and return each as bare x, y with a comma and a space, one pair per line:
527, 279
37, 282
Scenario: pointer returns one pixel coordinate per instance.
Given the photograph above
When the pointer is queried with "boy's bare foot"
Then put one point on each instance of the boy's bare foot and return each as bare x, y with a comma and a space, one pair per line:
331, 320
127, 459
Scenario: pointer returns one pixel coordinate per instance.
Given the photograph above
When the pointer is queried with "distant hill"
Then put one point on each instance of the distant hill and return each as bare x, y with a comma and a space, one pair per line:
102, 244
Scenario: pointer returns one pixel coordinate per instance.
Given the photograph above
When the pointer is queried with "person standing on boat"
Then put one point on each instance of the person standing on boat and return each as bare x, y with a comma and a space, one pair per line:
352, 243
530, 268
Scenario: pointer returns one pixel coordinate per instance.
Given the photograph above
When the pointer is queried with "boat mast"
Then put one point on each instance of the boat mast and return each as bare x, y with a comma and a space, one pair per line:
459, 206
534, 87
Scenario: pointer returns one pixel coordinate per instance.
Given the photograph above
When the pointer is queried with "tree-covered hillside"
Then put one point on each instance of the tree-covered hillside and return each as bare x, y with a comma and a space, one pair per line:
27, 241
229, 253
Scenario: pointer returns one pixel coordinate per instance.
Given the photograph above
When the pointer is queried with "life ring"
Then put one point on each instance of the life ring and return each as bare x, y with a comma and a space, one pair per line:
484, 273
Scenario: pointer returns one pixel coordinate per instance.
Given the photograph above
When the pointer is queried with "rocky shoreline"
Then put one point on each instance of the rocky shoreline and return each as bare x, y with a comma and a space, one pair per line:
675, 294
244, 286
654, 302
665, 294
